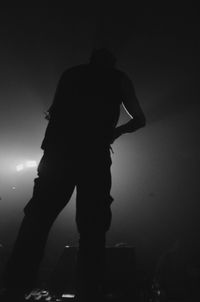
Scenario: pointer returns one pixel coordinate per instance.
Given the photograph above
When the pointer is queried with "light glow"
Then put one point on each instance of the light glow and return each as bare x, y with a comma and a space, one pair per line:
31, 164
68, 296
26, 164
19, 167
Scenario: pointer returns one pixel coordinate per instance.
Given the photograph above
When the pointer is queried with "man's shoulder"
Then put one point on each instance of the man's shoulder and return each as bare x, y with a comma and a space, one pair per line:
75, 68
122, 76
87, 69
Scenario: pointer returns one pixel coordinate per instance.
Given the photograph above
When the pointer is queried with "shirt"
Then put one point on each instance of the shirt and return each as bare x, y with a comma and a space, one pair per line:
86, 107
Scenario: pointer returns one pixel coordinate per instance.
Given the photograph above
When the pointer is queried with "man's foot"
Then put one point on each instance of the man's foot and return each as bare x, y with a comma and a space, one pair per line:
13, 295
38, 294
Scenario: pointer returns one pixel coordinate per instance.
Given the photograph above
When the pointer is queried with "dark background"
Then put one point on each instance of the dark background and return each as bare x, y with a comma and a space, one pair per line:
155, 170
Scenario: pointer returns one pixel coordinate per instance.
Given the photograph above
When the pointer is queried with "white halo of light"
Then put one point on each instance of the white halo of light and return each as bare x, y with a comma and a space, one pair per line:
19, 167
26, 164
31, 164
69, 296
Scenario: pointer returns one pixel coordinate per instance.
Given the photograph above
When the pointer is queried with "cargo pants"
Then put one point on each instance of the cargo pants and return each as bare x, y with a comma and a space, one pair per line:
58, 175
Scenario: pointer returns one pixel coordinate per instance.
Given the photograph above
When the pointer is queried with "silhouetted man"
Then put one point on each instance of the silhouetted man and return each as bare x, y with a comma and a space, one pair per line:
82, 125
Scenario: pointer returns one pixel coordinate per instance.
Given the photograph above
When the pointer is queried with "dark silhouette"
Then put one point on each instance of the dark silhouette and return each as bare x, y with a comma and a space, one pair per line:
81, 128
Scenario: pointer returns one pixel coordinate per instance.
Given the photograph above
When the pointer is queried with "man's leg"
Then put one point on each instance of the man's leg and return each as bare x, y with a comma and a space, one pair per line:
93, 220
52, 190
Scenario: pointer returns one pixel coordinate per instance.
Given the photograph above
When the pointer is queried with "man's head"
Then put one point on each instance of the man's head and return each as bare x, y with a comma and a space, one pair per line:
103, 57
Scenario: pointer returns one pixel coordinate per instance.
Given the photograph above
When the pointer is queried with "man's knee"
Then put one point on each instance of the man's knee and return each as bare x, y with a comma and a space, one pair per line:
94, 222
46, 200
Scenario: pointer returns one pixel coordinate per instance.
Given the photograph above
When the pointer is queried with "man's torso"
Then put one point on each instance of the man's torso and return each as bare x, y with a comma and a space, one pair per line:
86, 107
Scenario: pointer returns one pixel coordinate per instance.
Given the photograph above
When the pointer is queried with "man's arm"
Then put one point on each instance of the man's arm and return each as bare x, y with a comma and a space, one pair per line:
132, 108
57, 96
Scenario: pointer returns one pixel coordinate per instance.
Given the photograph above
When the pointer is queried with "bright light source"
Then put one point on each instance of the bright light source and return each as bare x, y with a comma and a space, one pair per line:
31, 164
68, 296
27, 164
20, 167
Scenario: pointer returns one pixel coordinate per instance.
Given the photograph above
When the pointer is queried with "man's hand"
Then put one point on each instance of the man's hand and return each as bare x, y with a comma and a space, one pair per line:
131, 126
117, 133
